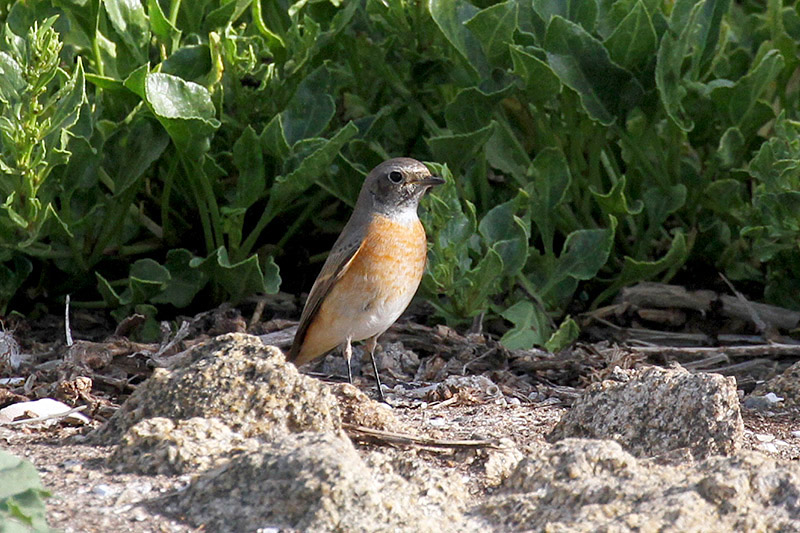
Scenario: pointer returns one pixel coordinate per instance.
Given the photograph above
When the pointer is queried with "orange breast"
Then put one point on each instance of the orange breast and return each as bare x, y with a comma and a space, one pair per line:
374, 291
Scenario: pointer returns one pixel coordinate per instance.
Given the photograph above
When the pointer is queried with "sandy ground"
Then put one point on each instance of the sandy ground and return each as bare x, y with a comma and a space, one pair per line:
88, 496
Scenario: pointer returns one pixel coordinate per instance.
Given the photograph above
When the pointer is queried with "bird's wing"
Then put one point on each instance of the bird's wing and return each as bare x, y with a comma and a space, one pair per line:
339, 260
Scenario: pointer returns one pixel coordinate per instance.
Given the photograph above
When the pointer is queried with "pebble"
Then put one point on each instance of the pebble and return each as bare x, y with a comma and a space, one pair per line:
768, 447
796, 434
437, 422
71, 465
102, 490
764, 437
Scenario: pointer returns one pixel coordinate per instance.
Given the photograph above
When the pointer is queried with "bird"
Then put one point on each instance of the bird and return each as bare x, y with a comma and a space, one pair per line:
373, 269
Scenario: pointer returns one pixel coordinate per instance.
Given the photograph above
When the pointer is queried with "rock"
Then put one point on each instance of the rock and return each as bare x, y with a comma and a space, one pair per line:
309, 482
234, 378
163, 446
786, 386
763, 403
360, 410
658, 411
500, 463
594, 485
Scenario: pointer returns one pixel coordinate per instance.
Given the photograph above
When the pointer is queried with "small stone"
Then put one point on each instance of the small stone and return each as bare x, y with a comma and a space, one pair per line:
102, 490
768, 447
764, 437
139, 515
783, 388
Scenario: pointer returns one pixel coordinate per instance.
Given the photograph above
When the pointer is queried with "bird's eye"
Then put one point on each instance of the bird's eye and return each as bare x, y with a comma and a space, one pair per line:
395, 176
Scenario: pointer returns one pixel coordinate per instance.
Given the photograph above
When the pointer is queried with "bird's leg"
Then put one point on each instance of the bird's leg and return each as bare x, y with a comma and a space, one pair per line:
371, 343
348, 354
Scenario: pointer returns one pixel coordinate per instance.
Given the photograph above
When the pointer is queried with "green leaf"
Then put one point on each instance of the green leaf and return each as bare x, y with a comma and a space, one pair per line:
565, 335
634, 271
505, 153
132, 151
581, 12
606, 90
12, 82
507, 233
615, 202
540, 82
185, 110
674, 47
738, 102
551, 180
725, 196
659, 203
710, 21
131, 24
312, 166
633, 43
22, 507
272, 278
160, 25
456, 150
184, 282
731, 148
247, 157
69, 102
273, 139
110, 297
529, 326
238, 279
472, 108
310, 109
12, 280
586, 251
494, 27
188, 62
482, 281
146, 279
450, 16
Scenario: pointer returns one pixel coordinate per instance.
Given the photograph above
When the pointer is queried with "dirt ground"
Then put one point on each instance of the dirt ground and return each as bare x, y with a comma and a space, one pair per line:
534, 390
88, 496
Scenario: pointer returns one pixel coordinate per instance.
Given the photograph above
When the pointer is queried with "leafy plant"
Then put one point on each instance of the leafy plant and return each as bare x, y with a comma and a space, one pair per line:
587, 146
22, 507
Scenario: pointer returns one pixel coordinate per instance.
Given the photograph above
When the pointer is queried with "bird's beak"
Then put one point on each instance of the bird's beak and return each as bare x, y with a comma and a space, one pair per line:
429, 181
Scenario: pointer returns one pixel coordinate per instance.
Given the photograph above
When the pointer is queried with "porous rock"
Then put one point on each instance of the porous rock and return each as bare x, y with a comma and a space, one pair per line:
310, 482
581, 485
163, 446
785, 385
358, 409
655, 411
236, 379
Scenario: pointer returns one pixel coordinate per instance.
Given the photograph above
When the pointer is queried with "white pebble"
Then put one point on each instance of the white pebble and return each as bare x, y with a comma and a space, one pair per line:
768, 447
102, 490
771, 397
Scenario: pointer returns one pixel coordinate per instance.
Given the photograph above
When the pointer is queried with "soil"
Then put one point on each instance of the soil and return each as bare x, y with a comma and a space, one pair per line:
88, 496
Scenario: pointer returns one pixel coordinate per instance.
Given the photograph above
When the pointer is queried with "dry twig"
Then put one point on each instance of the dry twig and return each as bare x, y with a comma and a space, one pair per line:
392, 438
